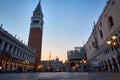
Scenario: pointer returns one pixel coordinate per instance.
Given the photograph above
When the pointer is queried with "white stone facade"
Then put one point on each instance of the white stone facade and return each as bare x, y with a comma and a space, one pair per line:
76, 53
54, 65
107, 26
14, 53
76, 57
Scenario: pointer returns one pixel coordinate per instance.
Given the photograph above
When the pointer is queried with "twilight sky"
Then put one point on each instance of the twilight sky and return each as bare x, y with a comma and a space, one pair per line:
67, 23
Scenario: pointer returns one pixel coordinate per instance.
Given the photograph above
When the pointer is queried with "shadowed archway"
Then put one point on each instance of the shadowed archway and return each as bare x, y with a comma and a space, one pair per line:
115, 65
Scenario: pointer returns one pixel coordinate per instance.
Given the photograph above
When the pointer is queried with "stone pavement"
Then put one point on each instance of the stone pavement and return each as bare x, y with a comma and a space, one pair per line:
60, 76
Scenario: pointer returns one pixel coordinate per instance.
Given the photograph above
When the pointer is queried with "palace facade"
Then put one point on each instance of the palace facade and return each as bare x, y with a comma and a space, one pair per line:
103, 45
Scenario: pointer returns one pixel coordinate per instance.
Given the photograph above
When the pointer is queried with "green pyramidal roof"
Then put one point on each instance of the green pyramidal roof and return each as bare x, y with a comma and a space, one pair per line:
38, 8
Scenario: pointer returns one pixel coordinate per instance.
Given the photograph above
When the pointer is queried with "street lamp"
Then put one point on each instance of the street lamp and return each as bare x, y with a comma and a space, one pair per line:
114, 37
40, 67
114, 43
26, 62
83, 61
83, 64
109, 42
0, 67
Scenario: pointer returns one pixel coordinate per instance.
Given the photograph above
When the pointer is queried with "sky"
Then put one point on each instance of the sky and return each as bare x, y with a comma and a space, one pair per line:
67, 23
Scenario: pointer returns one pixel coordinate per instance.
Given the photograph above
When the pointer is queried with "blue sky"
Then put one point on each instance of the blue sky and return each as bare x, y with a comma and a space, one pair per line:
67, 23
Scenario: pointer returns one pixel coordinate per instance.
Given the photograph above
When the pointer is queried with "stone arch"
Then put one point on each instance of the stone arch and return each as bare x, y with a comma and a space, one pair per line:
105, 64
102, 64
72, 64
114, 64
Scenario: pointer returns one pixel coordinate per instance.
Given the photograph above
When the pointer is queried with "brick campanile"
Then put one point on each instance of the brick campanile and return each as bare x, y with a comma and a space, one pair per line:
36, 30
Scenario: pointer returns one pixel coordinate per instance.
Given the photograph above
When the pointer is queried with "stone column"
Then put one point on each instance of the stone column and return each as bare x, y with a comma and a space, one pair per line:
8, 67
113, 67
105, 65
4, 63
108, 66
118, 67
112, 63
118, 64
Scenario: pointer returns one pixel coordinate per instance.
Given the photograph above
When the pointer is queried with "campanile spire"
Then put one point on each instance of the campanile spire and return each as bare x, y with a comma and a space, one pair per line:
36, 30
38, 7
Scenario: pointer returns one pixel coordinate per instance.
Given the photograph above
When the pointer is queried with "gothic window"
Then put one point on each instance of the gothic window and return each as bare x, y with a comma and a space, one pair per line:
100, 24
113, 2
93, 44
110, 21
95, 40
105, 15
101, 34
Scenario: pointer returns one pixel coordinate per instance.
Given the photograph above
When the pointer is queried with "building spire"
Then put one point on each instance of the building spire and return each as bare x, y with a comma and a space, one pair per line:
49, 56
38, 8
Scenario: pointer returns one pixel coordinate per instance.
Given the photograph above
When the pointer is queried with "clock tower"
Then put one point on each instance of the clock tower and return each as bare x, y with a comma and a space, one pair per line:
36, 30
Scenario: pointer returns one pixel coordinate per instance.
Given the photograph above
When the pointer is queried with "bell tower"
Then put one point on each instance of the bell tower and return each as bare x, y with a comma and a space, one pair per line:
36, 30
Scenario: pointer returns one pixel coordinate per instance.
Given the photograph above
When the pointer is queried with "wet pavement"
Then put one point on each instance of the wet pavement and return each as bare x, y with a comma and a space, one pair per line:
60, 76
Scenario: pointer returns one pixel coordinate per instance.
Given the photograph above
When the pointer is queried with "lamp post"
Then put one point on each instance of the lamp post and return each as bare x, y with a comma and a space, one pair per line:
114, 43
83, 62
26, 62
